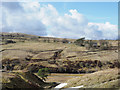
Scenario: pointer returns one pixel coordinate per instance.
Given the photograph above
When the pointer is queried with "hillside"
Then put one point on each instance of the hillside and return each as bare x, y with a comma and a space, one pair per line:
30, 53
23, 79
102, 79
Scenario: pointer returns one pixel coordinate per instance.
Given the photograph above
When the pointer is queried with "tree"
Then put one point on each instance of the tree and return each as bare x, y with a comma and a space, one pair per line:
43, 73
87, 45
48, 40
65, 41
39, 37
54, 40
80, 42
9, 41
91, 45
44, 40
104, 45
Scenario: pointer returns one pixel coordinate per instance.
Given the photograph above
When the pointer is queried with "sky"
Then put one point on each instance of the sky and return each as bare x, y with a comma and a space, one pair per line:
92, 20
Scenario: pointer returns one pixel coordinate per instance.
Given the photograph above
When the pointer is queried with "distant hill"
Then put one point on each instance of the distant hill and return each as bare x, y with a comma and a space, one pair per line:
22, 36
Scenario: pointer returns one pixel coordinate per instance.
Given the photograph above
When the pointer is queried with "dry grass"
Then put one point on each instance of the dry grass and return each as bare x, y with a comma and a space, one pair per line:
102, 79
61, 78
39, 46
12, 54
108, 55
69, 50
60, 74
43, 63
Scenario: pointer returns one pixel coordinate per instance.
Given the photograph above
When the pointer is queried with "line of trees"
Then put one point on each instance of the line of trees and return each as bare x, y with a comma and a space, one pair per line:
92, 45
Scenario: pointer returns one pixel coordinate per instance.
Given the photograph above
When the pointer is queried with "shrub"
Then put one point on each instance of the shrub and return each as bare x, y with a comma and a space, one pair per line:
55, 40
51, 61
65, 41
60, 69
34, 39
87, 45
43, 73
80, 42
9, 41
104, 45
44, 40
48, 41
87, 65
91, 45
81, 64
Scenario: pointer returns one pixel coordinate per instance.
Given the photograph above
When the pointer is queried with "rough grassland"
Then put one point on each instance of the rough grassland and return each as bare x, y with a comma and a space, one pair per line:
30, 53
101, 79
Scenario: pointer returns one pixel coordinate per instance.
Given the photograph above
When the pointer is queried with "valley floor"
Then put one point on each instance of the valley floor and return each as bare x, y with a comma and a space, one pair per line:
61, 78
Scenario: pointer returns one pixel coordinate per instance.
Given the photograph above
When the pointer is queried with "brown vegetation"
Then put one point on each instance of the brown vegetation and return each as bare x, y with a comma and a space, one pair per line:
31, 53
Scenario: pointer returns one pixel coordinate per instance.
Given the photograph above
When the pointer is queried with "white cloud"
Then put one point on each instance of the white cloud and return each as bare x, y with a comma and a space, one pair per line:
22, 20
45, 20
108, 30
30, 6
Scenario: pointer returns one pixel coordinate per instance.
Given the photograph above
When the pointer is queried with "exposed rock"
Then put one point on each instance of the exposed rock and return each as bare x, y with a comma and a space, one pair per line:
23, 80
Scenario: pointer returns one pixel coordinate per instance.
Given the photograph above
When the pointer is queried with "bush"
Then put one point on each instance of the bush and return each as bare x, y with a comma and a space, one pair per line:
91, 45
104, 45
65, 41
55, 40
48, 41
43, 73
9, 41
44, 40
81, 64
80, 42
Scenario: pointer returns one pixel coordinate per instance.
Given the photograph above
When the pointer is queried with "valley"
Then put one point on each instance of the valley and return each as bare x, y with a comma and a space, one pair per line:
68, 60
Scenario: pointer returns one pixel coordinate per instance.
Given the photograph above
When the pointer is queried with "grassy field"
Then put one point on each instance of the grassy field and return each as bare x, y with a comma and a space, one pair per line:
69, 50
61, 77
96, 68
39, 46
101, 79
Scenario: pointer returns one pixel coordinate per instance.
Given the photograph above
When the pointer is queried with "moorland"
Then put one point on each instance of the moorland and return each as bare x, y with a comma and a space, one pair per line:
91, 63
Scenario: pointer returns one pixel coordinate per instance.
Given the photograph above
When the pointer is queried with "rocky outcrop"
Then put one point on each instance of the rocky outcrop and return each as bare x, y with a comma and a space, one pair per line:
21, 80
24, 80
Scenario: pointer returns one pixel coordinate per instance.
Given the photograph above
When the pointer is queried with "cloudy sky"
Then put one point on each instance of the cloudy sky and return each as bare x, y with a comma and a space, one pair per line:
64, 20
